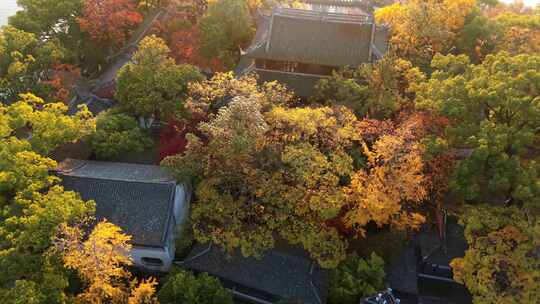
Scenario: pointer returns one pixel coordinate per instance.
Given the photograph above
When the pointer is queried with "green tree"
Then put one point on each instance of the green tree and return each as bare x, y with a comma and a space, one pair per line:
478, 36
56, 21
117, 133
375, 90
186, 288
356, 278
24, 292
152, 85
494, 109
502, 263
24, 62
221, 35
47, 18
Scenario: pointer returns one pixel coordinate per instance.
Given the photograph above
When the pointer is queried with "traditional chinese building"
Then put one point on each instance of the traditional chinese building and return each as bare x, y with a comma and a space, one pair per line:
299, 46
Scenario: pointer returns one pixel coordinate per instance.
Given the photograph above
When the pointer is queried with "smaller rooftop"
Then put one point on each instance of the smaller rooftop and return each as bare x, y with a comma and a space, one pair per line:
275, 276
137, 198
114, 171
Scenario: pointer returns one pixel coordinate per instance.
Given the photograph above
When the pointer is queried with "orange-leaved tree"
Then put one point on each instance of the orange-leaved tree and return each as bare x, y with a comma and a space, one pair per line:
109, 22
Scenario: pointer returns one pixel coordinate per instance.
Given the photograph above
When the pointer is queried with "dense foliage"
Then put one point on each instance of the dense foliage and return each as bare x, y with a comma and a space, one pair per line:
24, 62
494, 111
448, 119
116, 134
186, 288
221, 35
152, 85
502, 264
32, 202
377, 90
274, 169
100, 260
109, 22
356, 278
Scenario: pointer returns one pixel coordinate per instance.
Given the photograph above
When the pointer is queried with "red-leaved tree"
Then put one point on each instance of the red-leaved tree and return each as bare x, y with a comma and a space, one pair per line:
185, 49
109, 22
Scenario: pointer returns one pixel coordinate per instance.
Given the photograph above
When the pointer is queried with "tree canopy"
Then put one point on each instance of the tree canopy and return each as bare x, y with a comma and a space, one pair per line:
152, 85
221, 35
109, 22
117, 133
32, 203
494, 111
101, 260
273, 169
187, 288
502, 263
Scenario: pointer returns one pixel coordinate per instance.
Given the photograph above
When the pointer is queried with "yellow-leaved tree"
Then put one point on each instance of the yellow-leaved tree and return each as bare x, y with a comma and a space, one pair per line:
423, 28
265, 172
101, 262
391, 183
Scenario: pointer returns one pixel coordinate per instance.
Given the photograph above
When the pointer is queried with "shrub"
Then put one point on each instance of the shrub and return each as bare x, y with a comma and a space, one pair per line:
117, 133
183, 287
356, 278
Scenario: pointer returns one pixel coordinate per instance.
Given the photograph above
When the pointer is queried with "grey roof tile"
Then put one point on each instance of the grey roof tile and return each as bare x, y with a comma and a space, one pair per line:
277, 273
314, 37
137, 198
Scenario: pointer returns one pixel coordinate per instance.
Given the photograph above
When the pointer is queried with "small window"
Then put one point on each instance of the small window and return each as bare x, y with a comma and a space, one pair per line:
152, 261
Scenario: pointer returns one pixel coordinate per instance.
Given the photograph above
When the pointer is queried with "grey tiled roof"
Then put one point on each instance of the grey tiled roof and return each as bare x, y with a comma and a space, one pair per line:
314, 37
277, 274
137, 198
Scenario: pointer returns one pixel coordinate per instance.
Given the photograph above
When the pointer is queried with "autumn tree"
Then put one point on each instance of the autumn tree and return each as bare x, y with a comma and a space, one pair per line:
152, 85
518, 33
32, 203
109, 22
205, 98
185, 49
421, 29
55, 21
392, 175
187, 288
502, 263
493, 110
101, 260
221, 35
374, 90
273, 170
24, 63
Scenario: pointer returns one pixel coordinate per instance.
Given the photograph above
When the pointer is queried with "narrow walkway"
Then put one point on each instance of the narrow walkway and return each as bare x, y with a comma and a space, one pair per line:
122, 57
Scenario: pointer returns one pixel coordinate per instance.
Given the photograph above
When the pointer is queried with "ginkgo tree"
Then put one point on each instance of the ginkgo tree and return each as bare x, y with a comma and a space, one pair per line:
101, 260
